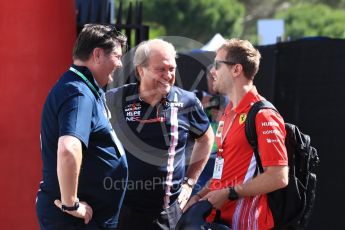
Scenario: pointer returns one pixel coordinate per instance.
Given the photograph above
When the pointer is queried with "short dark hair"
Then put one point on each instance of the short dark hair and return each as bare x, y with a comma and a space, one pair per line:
244, 53
97, 35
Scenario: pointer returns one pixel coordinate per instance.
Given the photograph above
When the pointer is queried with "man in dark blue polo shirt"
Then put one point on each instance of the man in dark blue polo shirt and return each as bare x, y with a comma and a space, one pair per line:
153, 120
82, 157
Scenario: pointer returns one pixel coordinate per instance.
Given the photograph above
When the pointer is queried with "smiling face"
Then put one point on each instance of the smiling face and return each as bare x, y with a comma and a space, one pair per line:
157, 77
108, 63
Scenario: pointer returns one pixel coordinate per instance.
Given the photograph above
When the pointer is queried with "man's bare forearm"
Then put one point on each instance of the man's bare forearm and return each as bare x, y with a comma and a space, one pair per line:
69, 157
200, 154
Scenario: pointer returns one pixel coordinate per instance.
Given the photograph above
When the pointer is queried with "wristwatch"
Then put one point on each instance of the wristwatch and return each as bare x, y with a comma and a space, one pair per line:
65, 208
233, 195
189, 181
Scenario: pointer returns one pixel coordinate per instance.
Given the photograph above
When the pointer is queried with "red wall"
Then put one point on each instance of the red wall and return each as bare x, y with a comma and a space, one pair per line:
36, 40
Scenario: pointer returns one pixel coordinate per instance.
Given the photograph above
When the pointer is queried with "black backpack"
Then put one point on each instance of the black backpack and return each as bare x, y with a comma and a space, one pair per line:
195, 218
291, 206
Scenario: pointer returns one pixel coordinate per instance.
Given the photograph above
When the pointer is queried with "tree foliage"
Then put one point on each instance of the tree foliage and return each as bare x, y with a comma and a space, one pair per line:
332, 3
201, 19
196, 19
305, 20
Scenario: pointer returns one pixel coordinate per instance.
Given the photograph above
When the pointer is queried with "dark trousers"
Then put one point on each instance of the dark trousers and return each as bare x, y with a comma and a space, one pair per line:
77, 225
51, 217
132, 219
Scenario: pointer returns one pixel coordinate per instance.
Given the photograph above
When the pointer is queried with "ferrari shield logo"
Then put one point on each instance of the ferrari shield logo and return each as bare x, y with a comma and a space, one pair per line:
242, 119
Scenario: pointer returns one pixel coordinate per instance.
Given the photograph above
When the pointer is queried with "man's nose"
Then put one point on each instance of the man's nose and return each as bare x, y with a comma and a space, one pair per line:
118, 64
212, 73
212, 70
167, 75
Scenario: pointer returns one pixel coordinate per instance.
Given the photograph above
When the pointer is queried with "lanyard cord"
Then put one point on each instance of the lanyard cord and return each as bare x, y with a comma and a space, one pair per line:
86, 80
107, 111
108, 115
222, 137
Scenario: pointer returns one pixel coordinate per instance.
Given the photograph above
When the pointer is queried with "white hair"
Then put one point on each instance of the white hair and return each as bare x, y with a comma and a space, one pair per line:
143, 51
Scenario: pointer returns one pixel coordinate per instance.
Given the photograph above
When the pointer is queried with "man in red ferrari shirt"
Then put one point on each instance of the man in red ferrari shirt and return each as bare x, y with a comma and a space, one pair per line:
234, 189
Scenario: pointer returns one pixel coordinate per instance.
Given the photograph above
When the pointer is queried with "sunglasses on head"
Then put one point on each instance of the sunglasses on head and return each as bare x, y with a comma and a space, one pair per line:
115, 33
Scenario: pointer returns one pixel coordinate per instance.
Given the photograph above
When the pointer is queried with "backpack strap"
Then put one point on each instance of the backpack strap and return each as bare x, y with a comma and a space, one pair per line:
250, 127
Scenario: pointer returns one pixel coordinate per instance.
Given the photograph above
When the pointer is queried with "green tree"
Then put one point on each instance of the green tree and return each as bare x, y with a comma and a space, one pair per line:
196, 19
304, 20
332, 3
201, 19
259, 9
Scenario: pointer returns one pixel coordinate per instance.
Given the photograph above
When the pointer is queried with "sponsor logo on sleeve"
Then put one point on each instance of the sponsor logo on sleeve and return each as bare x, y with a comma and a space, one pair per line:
175, 104
269, 123
271, 131
269, 140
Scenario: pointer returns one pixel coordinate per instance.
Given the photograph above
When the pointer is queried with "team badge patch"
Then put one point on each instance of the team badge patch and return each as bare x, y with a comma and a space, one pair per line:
242, 119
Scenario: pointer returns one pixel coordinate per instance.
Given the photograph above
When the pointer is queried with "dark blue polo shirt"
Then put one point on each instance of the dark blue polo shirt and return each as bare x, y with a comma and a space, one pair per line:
72, 108
155, 139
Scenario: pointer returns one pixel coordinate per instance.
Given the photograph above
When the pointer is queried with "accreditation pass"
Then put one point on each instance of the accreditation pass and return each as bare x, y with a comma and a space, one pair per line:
218, 168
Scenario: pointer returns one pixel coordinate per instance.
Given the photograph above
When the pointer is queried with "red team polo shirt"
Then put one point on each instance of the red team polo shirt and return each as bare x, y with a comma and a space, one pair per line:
239, 161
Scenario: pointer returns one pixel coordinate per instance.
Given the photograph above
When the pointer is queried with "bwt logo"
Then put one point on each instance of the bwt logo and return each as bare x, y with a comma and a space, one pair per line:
174, 104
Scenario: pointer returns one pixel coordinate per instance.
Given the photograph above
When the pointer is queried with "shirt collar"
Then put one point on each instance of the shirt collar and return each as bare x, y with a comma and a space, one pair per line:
250, 97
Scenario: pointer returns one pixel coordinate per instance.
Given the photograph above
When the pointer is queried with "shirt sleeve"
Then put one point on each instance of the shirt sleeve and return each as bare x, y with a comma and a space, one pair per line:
270, 128
199, 121
75, 116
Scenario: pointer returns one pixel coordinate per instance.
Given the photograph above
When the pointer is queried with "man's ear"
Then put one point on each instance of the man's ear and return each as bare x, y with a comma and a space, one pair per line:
238, 68
96, 54
140, 71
